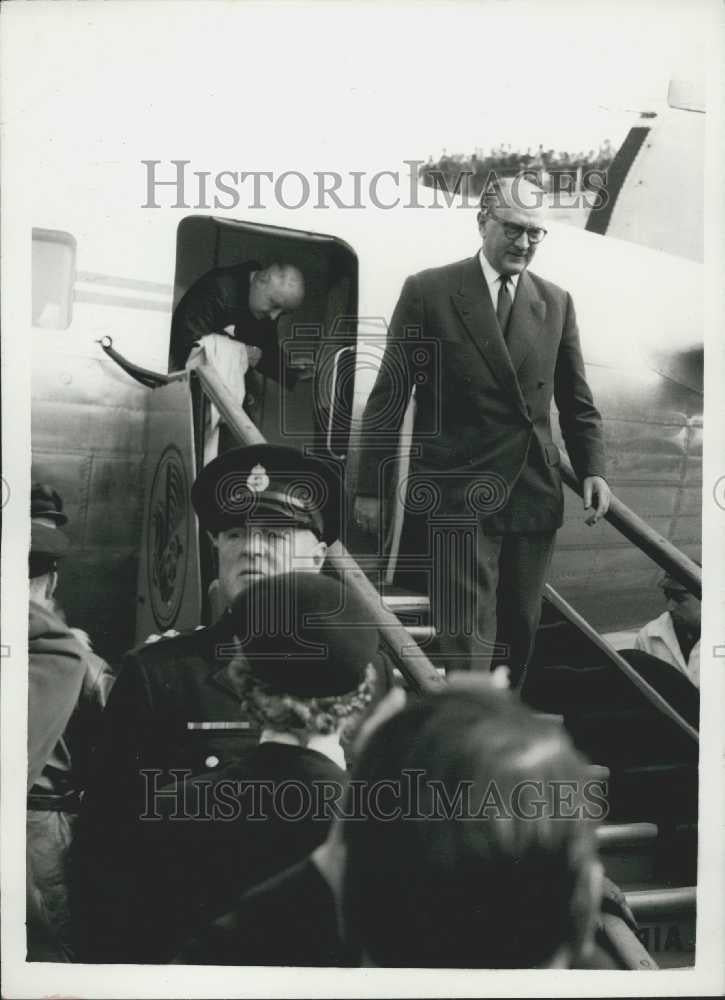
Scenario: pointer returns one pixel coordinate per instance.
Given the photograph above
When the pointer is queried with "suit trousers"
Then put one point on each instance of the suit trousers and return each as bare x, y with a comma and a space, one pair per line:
485, 591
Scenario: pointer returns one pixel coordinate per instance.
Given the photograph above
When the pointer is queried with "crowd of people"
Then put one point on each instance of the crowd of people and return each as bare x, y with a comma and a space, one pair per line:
553, 170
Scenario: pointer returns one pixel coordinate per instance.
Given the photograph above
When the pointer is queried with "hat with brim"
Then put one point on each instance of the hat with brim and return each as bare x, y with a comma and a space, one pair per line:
47, 503
305, 635
269, 484
47, 541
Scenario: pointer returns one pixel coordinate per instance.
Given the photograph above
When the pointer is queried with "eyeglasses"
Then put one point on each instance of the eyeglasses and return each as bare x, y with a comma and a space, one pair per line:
513, 232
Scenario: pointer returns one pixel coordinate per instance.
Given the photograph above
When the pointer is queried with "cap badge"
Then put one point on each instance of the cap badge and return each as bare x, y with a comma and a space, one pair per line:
258, 480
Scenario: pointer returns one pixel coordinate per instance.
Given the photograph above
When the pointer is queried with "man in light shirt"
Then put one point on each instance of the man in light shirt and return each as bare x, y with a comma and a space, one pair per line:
675, 635
485, 345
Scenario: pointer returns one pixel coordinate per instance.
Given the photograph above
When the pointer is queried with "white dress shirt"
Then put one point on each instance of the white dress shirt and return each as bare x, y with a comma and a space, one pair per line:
659, 638
492, 275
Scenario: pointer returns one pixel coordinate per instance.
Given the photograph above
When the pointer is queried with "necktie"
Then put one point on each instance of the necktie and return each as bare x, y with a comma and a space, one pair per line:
504, 303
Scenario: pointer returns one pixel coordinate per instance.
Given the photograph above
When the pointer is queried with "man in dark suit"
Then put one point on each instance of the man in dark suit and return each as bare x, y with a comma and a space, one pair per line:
243, 302
485, 345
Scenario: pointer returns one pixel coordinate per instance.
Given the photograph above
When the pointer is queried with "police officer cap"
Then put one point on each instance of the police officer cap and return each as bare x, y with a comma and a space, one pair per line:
305, 634
46, 514
269, 484
46, 503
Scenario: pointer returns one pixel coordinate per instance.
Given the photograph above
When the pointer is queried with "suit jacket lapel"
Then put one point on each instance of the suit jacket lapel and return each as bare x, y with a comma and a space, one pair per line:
527, 315
474, 306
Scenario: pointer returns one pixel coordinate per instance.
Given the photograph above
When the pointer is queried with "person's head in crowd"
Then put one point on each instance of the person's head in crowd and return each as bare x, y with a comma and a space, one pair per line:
493, 882
279, 288
48, 544
511, 221
308, 647
684, 607
268, 510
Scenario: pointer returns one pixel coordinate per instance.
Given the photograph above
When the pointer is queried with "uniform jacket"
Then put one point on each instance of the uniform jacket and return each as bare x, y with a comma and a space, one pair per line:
161, 688
155, 718
482, 410
175, 706
658, 638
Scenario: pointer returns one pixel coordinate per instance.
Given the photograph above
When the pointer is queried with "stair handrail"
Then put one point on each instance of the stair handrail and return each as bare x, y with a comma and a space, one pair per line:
649, 541
651, 694
653, 904
625, 944
147, 378
412, 661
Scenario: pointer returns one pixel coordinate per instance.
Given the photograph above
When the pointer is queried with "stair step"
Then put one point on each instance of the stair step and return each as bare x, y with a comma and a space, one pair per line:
614, 836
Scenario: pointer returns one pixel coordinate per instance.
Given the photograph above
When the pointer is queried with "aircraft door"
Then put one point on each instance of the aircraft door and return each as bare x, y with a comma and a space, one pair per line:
169, 590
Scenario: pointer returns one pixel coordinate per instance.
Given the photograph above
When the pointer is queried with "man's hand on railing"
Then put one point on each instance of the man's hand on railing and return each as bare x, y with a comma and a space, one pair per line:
595, 490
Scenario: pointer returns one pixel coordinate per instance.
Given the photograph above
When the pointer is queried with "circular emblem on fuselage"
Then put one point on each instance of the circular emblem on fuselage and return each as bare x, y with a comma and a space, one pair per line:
167, 537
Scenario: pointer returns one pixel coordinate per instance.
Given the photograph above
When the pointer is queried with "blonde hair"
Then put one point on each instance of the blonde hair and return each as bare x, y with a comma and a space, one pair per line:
306, 717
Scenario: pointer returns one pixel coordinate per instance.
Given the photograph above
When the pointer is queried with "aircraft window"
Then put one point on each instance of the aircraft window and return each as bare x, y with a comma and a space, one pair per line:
54, 255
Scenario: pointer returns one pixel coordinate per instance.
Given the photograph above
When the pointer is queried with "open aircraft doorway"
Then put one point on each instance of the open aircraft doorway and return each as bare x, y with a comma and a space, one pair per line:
310, 339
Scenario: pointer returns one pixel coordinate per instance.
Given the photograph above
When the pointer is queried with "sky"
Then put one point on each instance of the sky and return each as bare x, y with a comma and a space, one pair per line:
325, 84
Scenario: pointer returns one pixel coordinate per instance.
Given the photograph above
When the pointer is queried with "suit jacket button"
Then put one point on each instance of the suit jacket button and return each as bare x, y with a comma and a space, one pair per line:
211, 761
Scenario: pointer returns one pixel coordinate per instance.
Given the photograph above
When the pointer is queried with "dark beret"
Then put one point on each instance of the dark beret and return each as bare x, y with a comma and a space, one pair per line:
270, 483
305, 634
47, 503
